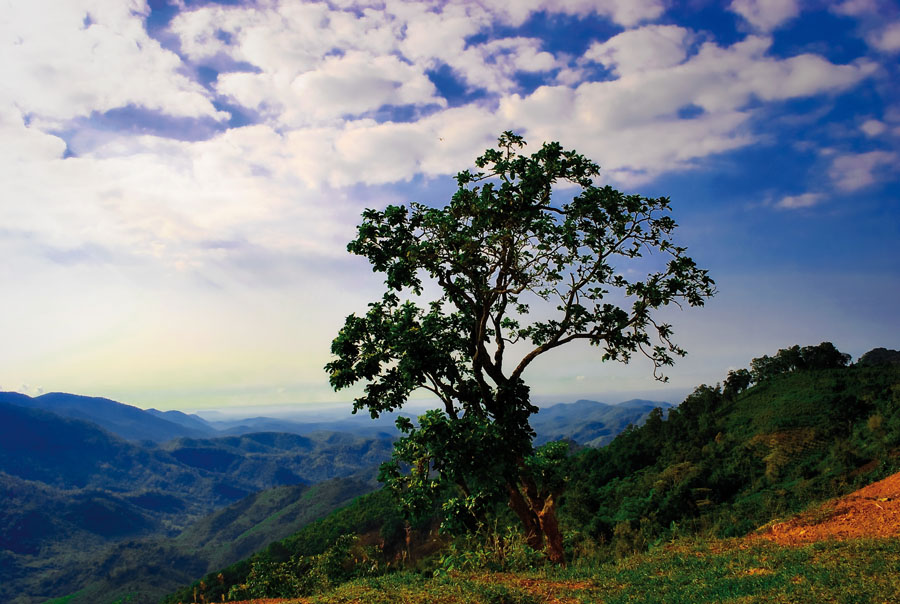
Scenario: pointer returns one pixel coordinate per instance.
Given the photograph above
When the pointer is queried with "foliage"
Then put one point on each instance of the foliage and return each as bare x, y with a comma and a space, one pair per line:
495, 550
505, 243
880, 356
345, 559
823, 356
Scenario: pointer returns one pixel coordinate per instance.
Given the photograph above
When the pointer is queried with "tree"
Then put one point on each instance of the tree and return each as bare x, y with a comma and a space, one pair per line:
508, 241
736, 382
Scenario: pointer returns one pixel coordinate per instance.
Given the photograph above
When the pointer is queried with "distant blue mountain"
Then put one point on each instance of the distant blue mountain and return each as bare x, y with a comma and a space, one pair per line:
191, 422
123, 420
590, 423
361, 425
586, 422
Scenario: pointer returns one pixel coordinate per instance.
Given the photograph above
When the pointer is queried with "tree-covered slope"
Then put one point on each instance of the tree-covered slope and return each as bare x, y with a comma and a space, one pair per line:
729, 463
143, 571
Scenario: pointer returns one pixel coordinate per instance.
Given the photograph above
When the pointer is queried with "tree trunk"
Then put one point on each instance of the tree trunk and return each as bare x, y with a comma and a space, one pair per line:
534, 535
550, 526
538, 515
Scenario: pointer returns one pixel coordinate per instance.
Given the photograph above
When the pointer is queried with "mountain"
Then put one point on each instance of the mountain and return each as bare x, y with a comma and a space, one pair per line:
190, 421
123, 420
362, 425
70, 489
590, 423
68, 453
278, 458
729, 463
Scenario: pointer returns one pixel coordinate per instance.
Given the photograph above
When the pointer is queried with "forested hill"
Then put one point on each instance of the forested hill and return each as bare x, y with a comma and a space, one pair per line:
768, 442
793, 429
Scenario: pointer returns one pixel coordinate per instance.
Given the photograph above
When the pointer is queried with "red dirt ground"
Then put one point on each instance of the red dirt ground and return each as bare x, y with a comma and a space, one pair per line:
873, 511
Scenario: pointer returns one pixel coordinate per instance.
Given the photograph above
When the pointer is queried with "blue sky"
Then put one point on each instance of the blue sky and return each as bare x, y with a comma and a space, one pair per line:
181, 178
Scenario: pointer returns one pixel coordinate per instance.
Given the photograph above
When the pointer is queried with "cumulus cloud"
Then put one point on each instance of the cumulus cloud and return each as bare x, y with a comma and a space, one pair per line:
646, 48
183, 206
384, 59
854, 171
379, 153
766, 15
613, 120
109, 61
356, 83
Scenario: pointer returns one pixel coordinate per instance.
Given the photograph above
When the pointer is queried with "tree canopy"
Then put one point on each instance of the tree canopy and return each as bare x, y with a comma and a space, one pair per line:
522, 233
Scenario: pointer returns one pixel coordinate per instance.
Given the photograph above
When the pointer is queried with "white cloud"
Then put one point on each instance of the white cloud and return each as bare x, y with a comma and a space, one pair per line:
493, 65
646, 48
383, 59
70, 59
356, 83
854, 8
854, 171
766, 15
372, 153
164, 201
614, 121
873, 127
886, 39
804, 200
176, 205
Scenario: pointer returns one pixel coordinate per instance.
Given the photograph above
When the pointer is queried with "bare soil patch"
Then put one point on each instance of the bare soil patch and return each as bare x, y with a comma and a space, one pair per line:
873, 511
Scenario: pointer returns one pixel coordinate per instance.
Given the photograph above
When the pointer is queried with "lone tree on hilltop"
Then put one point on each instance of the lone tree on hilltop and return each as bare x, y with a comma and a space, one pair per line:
504, 244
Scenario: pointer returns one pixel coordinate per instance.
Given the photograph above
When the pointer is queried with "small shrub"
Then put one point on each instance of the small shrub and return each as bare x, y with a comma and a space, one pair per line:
491, 550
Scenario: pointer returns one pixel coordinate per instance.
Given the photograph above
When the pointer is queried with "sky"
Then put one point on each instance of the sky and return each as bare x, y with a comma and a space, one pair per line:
180, 178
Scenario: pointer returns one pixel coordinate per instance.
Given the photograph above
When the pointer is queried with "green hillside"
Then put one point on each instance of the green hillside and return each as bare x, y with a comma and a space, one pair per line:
728, 460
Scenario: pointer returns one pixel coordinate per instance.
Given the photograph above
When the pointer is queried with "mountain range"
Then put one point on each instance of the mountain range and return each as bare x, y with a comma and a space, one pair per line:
88, 478
587, 422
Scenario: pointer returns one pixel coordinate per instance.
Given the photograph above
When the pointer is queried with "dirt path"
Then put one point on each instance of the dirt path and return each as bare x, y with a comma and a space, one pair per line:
873, 511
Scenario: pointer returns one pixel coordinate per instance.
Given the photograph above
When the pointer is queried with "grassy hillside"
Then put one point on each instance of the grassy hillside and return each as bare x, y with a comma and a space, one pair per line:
686, 571
722, 464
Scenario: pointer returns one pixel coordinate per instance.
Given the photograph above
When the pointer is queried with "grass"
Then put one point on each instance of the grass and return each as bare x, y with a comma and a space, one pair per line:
689, 572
